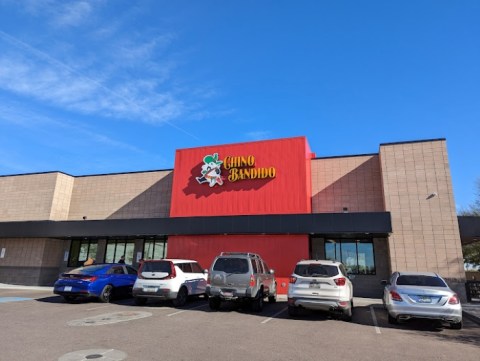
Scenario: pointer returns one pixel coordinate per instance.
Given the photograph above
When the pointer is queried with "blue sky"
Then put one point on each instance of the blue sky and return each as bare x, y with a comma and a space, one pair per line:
90, 87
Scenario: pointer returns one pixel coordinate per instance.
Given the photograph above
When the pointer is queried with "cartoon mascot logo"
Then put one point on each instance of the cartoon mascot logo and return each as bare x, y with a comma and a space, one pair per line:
211, 171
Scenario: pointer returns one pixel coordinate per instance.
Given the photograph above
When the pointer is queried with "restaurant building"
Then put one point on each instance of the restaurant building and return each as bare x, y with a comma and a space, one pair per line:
389, 211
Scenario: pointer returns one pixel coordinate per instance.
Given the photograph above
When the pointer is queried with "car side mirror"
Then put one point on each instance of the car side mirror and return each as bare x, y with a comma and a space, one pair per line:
272, 271
205, 271
384, 282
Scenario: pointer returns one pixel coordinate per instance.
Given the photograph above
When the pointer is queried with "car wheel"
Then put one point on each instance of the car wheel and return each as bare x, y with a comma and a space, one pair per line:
456, 325
69, 299
106, 294
214, 303
273, 298
392, 320
292, 311
257, 303
140, 301
181, 297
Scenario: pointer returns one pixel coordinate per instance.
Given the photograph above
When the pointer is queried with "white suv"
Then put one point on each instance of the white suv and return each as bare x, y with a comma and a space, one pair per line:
320, 285
169, 279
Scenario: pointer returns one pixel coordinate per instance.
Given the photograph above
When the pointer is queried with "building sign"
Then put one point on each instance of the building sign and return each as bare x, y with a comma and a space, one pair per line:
238, 167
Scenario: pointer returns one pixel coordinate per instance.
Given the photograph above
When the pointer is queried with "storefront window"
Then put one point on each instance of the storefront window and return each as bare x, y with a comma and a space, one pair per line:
154, 249
118, 248
80, 251
356, 255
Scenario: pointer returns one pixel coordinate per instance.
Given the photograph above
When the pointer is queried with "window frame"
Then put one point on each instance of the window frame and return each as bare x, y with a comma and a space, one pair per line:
338, 249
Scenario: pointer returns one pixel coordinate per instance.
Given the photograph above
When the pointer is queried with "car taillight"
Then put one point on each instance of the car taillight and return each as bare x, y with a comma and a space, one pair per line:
90, 278
454, 300
292, 279
252, 281
340, 281
173, 273
395, 296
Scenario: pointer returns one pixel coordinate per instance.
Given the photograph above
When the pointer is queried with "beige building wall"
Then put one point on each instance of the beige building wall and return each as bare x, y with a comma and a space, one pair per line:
418, 193
352, 182
30, 197
122, 196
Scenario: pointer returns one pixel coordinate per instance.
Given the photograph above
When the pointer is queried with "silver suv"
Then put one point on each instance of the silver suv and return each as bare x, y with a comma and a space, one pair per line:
236, 276
320, 285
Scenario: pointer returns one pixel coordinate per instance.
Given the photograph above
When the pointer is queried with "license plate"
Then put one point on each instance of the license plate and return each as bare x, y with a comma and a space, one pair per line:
314, 285
423, 299
227, 294
67, 288
150, 289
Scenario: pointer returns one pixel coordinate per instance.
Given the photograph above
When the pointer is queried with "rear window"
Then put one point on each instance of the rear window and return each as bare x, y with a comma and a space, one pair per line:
316, 270
89, 270
231, 265
163, 266
419, 280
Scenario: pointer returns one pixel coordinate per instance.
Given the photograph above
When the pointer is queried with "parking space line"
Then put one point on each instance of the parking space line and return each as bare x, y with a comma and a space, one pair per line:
275, 315
374, 318
188, 309
97, 308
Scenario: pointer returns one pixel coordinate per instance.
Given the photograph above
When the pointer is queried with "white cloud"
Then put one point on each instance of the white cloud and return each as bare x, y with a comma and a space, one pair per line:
60, 13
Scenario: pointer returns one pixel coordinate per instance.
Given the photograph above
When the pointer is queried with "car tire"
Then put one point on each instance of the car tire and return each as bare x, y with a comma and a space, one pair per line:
140, 301
214, 303
392, 320
257, 302
456, 325
292, 311
69, 299
106, 294
181, 299
272, 298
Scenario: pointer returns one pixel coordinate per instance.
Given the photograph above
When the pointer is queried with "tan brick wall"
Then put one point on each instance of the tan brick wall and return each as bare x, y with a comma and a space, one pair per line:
122, 196
425, 231
25, 252
27, 197
61, 197
354, 182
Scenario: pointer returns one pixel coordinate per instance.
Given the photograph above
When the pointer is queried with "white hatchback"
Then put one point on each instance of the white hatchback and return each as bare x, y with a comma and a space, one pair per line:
169, 279
320, 285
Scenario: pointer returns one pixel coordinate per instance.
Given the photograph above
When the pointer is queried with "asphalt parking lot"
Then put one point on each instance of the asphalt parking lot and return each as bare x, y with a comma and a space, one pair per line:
37, 325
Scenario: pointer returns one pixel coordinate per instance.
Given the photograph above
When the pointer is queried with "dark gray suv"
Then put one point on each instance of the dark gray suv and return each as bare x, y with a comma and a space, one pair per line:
236, 276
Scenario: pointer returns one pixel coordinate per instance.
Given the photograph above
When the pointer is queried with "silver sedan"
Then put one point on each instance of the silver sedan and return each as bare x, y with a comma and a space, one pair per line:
421, 295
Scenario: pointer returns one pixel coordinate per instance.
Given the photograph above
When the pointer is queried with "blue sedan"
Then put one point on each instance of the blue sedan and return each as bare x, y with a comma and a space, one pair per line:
102, 281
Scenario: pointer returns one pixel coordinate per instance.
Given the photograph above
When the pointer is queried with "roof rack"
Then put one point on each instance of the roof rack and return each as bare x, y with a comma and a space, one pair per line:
239, 254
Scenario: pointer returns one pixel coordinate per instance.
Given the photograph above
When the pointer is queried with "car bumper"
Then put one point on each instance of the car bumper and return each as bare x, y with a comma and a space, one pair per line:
319, 304
450, 314
229, 294
75, 293
161, 294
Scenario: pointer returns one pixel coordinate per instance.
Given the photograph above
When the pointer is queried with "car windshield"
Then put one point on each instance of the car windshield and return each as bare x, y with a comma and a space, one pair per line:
231, 265
88, 270
420, 280
162, 266
316, 270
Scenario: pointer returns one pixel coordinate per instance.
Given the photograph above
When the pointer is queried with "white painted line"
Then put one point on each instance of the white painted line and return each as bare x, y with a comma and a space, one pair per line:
374, 318
96, 308
275, 315
188, 309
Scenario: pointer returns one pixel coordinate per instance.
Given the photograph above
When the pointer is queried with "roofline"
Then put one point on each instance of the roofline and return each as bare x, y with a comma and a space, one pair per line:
414, 141
347, 156
86, 175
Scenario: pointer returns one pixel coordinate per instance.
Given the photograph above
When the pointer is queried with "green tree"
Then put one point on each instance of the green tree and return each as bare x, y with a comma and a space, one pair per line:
471, 252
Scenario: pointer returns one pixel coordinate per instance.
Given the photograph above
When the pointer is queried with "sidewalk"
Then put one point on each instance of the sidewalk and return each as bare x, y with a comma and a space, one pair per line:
20, 287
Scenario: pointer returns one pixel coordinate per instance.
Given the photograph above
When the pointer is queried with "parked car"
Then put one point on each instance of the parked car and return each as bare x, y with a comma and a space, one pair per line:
102, 281
320, 285
425, 295
169, 279
237, 276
